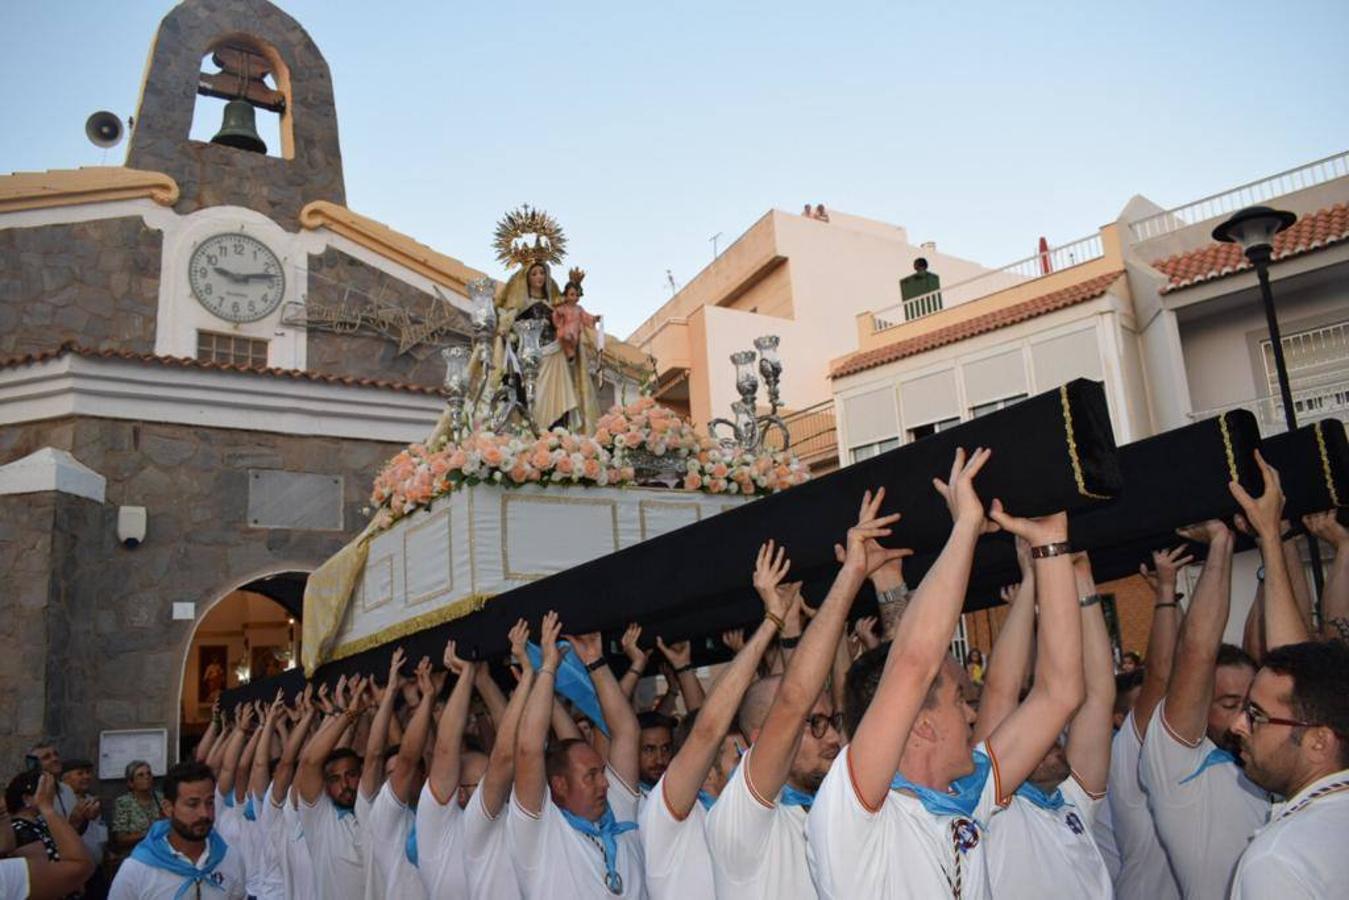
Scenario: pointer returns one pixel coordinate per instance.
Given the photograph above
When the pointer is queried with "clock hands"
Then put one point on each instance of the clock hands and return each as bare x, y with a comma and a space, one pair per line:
242, 277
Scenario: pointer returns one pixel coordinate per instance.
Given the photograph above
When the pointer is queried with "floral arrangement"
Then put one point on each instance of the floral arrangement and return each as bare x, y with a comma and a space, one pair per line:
624, 437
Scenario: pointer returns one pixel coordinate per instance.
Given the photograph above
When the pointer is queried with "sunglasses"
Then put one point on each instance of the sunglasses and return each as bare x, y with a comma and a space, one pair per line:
819, 724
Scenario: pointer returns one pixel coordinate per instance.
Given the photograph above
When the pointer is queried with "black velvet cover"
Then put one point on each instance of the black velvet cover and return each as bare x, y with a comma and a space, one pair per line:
1313, 464
1050, 452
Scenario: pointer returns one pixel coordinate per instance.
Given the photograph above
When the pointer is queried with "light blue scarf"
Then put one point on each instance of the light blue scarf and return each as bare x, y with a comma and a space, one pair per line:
250, 813
963, 797
154, 851
706, 799
410, 847
606, 830
790, 796
1216, 757
1050, 802
573, 682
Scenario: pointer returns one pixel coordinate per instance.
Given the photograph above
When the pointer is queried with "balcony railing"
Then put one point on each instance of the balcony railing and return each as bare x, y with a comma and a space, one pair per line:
1052, 260
813, 431
1322, 401
1256, 192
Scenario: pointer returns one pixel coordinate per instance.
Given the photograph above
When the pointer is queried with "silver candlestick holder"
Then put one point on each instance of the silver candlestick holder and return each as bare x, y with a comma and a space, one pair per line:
746, 430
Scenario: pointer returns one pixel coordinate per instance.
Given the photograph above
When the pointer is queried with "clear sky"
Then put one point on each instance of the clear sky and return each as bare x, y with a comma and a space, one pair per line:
646, 128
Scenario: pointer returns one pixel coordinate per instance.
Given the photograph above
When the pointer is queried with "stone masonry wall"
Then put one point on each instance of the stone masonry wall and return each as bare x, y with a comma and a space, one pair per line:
96, 283
114, 656
368, 355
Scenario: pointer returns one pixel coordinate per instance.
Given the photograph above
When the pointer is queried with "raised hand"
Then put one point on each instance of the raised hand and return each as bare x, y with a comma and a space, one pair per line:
635, 654
340, 699
680, 654
423, 675
1327, 527
452, 661
548, 632
1166, 566
958, 490
857, 555
519, 636
865, 629
1205, 532
770, 566
277, 708
244, 713
1037, 532
734, 639
1265, 512
395, 664
588, 647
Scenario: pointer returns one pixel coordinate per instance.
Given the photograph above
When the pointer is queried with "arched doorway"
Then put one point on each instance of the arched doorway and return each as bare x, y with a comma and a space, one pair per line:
250, 632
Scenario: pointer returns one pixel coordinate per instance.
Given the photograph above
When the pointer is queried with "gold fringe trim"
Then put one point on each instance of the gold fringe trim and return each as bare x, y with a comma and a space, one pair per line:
448, 613
1325, 464
1072, 448
1227, 447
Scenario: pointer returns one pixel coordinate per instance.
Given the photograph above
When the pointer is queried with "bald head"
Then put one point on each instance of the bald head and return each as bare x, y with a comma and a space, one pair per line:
756, 703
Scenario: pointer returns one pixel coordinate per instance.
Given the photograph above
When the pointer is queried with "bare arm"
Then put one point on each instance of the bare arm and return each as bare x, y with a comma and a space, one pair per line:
1009, 661
564, 726
244, 771
217, 754
285, 768
1253, 632
1335, 593
229, 761
309, 775
680, 656
771, 759
531, 781
637, 658
1191, 687
688, 770
920, 642
1092, 727
624, 734
443, 777
209, 738
1284, 623
372, 768
1020, 742
1163, 633
495, 786
414, 739
67, 875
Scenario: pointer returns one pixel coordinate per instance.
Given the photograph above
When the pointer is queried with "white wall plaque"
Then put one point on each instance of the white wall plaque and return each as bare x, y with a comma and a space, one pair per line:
117, 748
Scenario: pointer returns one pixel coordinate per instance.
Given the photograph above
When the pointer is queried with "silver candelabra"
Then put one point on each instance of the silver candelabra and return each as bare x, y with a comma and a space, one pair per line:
746, 429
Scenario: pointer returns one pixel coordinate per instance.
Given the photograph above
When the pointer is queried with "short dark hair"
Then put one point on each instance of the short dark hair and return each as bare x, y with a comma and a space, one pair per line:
654, 719
580, 292
1132, 654
920, 261
864, 676
340, 754
558, 760
1232, 655
185, 773
1320, 673
23, 783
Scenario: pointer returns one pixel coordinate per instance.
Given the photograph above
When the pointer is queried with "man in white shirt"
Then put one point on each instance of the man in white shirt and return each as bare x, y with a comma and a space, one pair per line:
672, 821
905, 808
1204, 807
1042, 843
571, 825
327, 785
756, 829
183, 851
1144, 870
1294, 737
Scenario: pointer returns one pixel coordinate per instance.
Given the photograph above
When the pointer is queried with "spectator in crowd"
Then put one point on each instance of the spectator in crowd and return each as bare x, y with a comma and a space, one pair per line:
820, 212
78, 775
135, 811
974, 667
49, 760
808, 212
63, 866
29, 823
1130, 661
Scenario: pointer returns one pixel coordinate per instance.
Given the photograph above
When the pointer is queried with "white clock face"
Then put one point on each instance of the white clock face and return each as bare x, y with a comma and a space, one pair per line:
237, 277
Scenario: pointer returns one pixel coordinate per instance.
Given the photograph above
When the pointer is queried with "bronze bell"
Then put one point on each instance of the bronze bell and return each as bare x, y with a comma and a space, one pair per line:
239, 128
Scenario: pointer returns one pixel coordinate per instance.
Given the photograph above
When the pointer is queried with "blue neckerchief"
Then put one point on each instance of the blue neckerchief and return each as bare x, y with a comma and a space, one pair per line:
410, 846
607, 830
229, 799
1216, 757
1051, 802
646, 787
343, 811
706, 799
573, 682
790, 796
154, 851
250, 813
963, 797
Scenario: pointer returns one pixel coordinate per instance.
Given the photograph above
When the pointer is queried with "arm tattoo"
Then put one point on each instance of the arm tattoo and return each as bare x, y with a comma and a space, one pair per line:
1337, 629
892, 610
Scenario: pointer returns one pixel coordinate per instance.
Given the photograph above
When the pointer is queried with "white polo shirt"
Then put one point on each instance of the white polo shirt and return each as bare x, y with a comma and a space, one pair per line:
1144, 869
1304, 850
262, 855
678, 864
137, 881
1103, 832
487, 859
554, 860
1205, 813
282, 825
758, 847
1036, 853
14, 877
899, 850
336, 848
440, 853
388, 872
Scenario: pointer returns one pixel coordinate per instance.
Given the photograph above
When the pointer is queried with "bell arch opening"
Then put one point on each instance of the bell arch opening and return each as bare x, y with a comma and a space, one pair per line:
243, 98
252, 631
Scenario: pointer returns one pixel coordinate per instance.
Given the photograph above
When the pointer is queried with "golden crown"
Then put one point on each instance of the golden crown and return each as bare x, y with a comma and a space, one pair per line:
512, 238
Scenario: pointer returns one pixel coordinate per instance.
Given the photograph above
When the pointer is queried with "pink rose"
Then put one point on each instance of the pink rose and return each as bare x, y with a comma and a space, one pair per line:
692, 481
591, 469
564, 465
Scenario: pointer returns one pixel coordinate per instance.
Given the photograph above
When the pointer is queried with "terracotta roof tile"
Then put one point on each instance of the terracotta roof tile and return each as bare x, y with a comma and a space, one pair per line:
1311, 232
1001, 318
183, 362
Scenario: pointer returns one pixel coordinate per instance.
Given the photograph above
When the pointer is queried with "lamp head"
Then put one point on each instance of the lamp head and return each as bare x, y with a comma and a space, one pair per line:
1253, 229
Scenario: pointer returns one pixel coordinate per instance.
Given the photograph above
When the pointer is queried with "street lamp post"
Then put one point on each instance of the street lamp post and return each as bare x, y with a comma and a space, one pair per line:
1253, 229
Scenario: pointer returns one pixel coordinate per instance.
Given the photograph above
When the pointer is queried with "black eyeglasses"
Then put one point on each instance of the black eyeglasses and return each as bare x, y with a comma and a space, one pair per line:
819, 724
